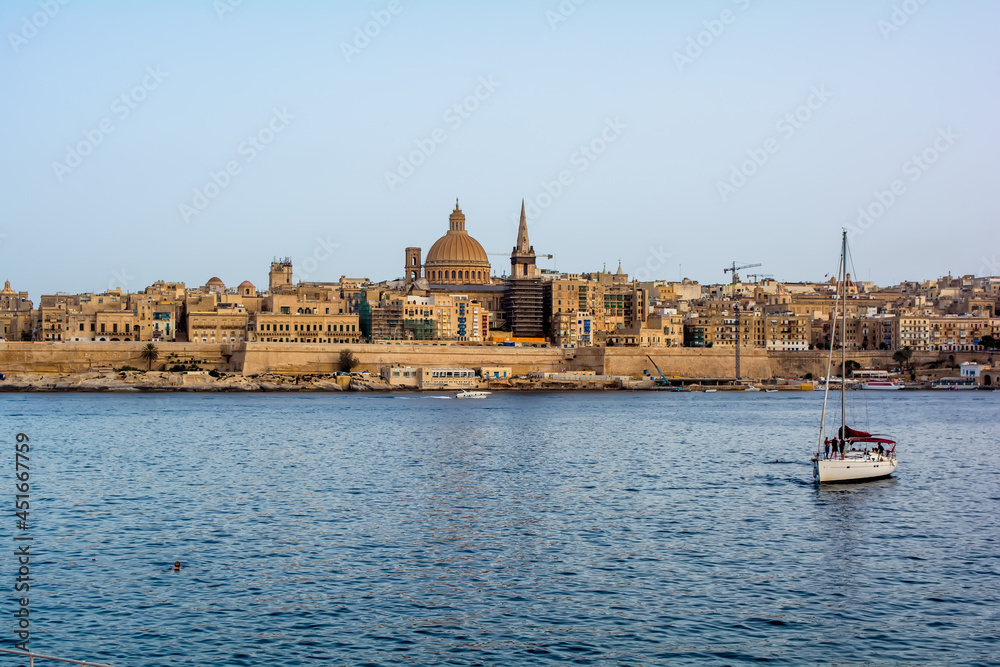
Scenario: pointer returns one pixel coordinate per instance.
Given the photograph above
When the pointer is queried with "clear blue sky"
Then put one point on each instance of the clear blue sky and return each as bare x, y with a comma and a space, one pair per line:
198, 80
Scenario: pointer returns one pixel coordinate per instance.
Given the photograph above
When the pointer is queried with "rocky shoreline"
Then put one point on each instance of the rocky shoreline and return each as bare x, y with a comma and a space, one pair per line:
108, 380
158, 381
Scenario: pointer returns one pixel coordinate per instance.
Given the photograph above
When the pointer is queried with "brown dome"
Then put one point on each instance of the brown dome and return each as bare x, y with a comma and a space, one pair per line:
456, 257
456, 248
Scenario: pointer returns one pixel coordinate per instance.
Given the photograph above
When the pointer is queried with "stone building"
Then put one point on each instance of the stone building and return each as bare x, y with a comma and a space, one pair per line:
279, 278
16, 314
226, 324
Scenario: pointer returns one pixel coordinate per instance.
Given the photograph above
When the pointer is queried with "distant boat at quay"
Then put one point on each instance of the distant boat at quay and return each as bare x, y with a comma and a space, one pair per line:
881, 385
955, 383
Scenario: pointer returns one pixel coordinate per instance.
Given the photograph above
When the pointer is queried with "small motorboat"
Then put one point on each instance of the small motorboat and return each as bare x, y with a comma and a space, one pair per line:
469, 393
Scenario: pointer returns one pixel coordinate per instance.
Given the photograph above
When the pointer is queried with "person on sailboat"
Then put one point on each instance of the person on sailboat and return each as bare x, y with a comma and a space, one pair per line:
827, 445
843, 441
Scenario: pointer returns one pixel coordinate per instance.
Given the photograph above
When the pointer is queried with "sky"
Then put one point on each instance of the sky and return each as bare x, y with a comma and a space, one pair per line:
184, 139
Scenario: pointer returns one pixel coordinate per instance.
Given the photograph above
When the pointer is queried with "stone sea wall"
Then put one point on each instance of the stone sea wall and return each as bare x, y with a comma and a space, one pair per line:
297, 359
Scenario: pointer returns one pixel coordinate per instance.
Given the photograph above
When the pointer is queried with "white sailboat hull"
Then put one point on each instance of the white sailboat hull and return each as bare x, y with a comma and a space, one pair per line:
852, 469
866, 457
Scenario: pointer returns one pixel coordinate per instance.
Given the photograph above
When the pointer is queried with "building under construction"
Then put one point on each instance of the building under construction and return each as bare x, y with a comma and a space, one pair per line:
524, 308
524, 295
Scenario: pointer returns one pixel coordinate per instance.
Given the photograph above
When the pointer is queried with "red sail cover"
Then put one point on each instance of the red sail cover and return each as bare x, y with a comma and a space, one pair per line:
848, 432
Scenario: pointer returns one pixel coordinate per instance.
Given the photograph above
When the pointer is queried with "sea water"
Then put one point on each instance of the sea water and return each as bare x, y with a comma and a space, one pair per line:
609, 528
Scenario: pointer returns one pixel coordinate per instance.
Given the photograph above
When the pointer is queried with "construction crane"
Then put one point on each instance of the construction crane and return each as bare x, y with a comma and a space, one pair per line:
507, 254
734, 269
664, 382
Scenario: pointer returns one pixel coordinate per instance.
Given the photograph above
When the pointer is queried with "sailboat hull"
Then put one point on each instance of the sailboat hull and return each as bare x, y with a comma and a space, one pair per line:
852, 470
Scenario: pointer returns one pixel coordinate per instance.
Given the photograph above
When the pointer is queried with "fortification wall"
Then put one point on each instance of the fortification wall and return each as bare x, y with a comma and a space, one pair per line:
295, 358
41, 357
687, 362
298, 358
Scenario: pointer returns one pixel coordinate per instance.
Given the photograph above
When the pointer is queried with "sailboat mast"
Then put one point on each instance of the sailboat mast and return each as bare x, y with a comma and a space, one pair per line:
843, 336
829, 368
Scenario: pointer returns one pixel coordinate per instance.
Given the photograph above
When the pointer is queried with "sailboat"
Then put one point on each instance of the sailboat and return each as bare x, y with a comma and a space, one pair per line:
864, 456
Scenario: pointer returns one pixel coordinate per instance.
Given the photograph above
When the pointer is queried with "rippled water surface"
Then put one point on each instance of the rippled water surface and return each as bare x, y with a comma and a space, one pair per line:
605, 528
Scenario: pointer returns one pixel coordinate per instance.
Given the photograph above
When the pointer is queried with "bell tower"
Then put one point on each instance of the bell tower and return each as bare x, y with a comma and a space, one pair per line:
522, 259
413, 266
280, 276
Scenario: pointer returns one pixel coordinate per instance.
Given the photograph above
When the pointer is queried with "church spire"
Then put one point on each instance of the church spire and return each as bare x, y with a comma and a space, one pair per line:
523, 245
522, 259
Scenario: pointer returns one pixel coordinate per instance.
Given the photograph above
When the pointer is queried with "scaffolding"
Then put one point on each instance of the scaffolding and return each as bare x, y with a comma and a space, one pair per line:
524, 306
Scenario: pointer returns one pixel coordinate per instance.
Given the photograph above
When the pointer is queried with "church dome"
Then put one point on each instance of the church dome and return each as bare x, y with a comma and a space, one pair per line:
456, 257
456, 248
